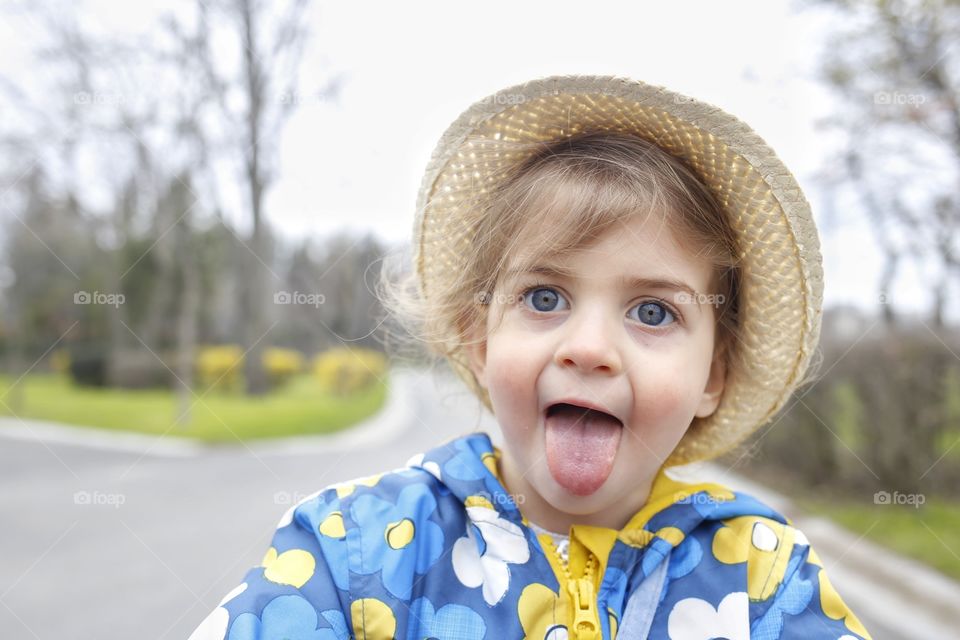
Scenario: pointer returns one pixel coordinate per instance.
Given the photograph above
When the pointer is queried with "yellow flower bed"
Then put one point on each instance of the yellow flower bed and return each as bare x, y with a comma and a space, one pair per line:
344, 370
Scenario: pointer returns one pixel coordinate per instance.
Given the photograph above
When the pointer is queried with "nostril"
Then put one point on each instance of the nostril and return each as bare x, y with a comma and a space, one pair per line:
606, 362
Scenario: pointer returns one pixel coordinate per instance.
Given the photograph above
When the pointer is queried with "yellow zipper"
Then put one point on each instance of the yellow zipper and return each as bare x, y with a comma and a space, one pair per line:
583, 597
586, 622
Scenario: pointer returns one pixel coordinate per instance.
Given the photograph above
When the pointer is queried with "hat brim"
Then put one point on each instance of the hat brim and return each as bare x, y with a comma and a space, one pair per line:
782, 275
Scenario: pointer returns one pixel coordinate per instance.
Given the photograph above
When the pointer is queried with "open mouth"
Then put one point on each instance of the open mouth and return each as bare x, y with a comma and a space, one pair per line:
577, 414
581, 446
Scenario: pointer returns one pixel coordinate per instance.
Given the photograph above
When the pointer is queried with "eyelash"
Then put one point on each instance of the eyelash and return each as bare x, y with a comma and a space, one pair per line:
669, 307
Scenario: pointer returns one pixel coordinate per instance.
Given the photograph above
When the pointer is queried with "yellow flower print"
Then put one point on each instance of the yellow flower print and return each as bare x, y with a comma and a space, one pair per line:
372, 620
399, 534
635, 537
835, 608
478, 501
614, 623
541, 613
763, 544
346, 488
293, 567
489, 460
671, 534
332, 526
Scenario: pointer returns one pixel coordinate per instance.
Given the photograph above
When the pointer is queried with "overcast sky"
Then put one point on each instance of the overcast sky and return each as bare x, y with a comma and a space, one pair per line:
409, 69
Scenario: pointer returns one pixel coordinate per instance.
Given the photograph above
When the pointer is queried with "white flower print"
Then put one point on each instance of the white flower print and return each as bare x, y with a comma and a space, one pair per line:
696, 619
481, 557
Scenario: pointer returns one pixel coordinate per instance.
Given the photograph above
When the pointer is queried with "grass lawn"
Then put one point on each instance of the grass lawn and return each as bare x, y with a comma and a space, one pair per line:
298, 408
930, 533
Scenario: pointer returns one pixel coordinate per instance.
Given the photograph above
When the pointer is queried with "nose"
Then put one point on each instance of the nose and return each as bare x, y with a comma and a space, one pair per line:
590, 343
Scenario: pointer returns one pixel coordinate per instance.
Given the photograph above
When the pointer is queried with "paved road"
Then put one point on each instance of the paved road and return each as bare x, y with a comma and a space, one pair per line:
116, 544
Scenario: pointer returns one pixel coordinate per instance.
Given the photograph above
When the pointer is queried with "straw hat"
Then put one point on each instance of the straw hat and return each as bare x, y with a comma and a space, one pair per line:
782, 275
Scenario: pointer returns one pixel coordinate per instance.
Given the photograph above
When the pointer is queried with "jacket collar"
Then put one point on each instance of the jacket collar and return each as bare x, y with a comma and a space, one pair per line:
467, 467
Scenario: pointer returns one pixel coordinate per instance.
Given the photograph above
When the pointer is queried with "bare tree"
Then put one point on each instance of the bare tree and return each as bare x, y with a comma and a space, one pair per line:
271, 39
196, 111
893, 62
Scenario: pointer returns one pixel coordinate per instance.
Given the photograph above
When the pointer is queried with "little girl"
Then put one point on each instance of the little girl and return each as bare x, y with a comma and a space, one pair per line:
629, 279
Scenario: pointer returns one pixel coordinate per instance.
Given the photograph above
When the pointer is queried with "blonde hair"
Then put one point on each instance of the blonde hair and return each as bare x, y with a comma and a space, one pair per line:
559, 197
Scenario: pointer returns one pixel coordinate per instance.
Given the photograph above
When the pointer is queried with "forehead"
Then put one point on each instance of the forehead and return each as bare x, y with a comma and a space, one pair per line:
640, 246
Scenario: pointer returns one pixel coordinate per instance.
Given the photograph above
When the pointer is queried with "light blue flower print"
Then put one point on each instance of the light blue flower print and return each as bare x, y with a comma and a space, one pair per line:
398, 539
685, 558
292, 618
418, 464
450, 622
466, 465
325, 519
743, 504
655, 554
793, 597
614, 586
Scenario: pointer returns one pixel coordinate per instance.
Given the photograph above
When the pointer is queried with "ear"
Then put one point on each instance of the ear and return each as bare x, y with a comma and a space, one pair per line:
714, 389
476, 351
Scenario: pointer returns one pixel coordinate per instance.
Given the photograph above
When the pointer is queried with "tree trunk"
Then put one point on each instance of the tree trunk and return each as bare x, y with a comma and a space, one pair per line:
187, 325
256, 298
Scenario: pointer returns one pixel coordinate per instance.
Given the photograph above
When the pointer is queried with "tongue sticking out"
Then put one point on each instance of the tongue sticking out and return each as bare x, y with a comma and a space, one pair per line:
581, 445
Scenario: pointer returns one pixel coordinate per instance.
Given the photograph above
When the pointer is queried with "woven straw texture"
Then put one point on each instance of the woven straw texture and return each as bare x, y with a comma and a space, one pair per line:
781, 296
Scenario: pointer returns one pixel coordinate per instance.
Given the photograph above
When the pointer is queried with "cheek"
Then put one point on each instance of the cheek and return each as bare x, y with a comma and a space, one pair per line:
667, 399
511, 375
661, 402
662, 414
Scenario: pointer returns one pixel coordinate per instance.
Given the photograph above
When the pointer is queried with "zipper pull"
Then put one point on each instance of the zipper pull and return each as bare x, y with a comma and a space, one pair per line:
586, 623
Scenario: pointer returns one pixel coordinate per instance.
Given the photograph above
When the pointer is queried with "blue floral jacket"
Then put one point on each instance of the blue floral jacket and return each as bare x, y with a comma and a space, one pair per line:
440, 549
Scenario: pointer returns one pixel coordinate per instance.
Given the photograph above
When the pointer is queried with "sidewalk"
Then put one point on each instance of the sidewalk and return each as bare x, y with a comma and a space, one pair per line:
386, 424
902, 595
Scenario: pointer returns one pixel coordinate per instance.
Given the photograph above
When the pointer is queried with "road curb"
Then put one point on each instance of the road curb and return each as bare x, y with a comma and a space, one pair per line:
388, 423
102, 439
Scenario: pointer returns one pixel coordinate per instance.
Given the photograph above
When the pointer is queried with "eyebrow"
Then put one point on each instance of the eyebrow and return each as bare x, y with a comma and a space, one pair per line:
656, 282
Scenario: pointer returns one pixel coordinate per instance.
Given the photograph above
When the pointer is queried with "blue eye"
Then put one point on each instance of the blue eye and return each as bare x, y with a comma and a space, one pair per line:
543, 299
653, 312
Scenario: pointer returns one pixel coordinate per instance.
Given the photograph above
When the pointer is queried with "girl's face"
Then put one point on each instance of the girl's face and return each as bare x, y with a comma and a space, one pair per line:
585, 330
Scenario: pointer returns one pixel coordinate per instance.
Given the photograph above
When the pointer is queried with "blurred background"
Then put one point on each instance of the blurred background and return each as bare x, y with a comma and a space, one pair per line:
198, 198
